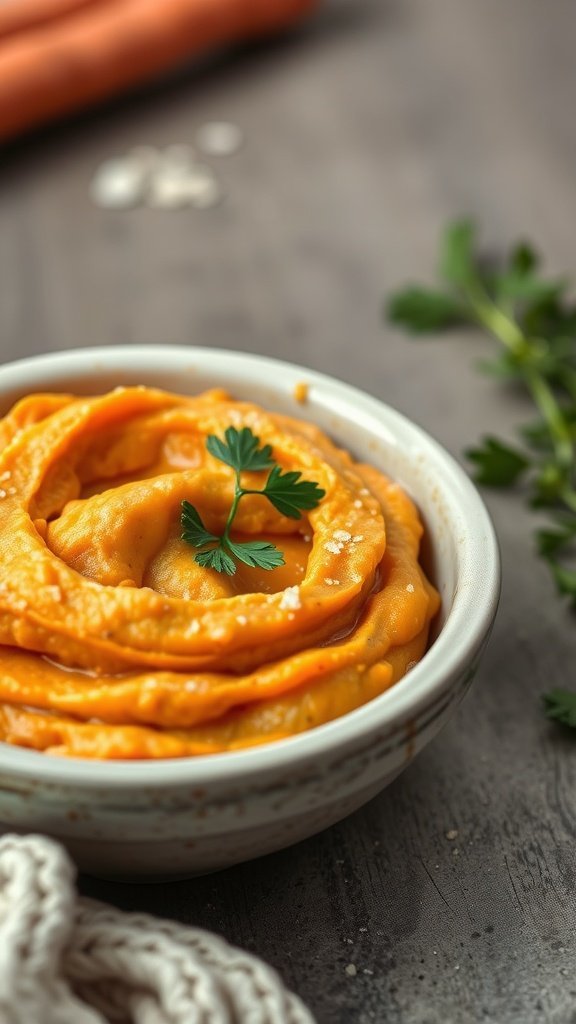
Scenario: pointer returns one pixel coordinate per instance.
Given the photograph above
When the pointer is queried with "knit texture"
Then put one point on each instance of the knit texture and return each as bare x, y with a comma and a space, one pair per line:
68, 960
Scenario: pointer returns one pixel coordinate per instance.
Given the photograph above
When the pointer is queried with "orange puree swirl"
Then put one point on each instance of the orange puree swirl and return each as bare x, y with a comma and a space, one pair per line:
114, 643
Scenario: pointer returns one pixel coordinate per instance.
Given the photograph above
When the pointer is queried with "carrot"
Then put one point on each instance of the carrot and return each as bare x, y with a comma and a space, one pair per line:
27, 14
53, 63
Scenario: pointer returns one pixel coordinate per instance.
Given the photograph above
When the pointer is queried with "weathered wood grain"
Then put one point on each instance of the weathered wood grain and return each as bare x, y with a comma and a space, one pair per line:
365, 132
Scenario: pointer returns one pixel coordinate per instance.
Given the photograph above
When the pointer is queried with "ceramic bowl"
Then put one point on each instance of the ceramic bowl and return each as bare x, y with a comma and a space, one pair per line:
180, 817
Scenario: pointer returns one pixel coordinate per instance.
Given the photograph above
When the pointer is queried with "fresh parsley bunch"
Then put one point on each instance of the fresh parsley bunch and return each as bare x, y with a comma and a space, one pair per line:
534, 322
287, 492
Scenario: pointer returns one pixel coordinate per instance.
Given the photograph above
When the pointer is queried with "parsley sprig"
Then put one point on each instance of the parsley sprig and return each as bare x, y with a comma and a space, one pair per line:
287, 492
534, 322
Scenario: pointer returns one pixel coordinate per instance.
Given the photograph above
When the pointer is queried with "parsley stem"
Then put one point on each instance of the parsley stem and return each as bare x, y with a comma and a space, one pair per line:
506, 330
552, 414
238, 493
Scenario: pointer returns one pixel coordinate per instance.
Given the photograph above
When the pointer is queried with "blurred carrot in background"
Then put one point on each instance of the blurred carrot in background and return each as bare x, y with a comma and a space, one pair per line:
57, 56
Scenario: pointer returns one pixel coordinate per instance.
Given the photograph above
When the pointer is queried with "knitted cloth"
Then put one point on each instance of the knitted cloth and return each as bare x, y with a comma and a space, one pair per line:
67, 960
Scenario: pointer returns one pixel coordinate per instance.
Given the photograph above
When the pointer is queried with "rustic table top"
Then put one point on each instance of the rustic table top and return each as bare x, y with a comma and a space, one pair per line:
365, 131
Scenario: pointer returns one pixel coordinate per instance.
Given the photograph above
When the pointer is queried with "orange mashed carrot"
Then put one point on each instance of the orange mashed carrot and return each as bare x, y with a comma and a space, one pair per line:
115, 643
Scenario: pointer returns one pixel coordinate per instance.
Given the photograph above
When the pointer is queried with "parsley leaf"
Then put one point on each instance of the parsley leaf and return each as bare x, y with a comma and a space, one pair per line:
497, 464
560, 705
422, 310
193, 529
257, 552
216, 558
286, 491
240, 450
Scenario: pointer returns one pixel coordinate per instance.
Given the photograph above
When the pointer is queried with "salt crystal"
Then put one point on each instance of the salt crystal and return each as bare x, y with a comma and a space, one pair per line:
291, 598
410, 588
342, 535
334, 548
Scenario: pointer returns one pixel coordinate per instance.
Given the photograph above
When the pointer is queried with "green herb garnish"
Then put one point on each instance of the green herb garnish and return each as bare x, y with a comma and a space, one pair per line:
535, 323
287, 492
561, 706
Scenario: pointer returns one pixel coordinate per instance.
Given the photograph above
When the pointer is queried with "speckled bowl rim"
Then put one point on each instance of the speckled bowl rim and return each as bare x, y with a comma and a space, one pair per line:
460, 640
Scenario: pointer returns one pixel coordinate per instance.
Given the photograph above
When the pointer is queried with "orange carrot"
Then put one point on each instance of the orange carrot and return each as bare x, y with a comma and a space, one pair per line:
27, 14
85, 51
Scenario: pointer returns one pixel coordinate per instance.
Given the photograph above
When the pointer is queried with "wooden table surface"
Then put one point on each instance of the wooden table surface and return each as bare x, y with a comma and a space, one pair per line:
365, 131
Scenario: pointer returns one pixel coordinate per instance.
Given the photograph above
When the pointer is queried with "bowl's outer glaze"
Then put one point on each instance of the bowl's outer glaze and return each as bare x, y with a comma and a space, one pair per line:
149, 819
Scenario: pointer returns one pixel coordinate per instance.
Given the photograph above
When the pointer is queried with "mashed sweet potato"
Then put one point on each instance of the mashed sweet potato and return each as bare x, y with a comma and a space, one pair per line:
114, 643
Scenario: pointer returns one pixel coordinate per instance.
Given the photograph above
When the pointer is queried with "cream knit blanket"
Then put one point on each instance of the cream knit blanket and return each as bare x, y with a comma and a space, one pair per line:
68, 960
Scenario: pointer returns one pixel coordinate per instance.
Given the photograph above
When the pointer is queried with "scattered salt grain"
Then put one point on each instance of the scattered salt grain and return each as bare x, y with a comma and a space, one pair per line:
331, 583
6, 475
357, 503
291, 598
2, 493
359, 537
334, 548
54, 591
241, 620
452, 834
342, 536
410, 588
351, 970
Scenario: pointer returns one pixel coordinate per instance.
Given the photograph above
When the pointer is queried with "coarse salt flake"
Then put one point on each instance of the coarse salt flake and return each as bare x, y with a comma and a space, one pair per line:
331, 546
342, 536
291, 598
330, 582
410, 588
357, 538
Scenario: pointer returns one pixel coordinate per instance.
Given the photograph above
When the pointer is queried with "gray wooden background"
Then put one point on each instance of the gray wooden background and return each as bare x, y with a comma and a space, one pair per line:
365, 131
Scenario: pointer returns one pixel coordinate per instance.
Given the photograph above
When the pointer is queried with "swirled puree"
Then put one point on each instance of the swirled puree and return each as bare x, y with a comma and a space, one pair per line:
115, 643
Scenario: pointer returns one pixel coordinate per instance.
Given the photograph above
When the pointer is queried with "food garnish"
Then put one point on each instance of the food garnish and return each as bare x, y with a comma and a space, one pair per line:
286, 491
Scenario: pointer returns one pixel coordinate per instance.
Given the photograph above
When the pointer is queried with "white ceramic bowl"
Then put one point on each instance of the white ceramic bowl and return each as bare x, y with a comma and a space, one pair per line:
169, 818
